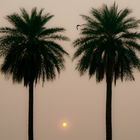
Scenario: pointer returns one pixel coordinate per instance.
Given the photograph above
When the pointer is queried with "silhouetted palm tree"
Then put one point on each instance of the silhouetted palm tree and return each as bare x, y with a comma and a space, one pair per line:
107, 48
31, 52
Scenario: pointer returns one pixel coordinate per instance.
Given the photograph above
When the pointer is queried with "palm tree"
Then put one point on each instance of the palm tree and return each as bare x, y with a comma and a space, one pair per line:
31, 52
107, 48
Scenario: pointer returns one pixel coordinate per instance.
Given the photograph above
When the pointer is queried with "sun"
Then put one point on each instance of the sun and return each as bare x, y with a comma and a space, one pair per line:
64, 124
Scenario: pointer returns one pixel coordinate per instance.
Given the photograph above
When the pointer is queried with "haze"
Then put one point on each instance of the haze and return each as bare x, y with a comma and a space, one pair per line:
76, 99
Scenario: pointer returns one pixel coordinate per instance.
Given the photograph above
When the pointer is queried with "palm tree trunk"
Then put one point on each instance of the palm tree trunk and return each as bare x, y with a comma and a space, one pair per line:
109, 73
30, 113
109, 110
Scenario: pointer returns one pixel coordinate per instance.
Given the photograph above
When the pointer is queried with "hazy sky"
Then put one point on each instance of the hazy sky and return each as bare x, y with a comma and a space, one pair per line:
76, 99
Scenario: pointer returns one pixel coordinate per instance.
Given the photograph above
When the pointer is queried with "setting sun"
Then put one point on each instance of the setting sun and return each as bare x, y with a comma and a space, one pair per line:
64, 124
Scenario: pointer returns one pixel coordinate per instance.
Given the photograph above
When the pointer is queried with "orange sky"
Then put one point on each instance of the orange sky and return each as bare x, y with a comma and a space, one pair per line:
70, 97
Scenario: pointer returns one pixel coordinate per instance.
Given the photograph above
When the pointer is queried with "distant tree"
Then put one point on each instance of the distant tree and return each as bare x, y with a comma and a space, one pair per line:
107, 48
30, 51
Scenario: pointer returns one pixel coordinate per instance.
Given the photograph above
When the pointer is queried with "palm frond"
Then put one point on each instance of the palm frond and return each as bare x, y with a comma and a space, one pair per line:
108, 38
29, 48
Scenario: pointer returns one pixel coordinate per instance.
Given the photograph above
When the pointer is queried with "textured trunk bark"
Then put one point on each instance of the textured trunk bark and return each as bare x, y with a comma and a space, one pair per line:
109, 110
30, 113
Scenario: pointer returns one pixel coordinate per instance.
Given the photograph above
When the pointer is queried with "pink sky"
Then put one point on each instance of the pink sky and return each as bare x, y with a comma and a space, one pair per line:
70, 97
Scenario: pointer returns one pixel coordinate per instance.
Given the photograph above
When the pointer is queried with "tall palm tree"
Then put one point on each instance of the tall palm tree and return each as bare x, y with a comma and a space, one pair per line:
31, 52
107, 48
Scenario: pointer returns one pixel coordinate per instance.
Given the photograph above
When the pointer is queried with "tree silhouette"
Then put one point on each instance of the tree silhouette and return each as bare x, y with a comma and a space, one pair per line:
107, 48
31, 51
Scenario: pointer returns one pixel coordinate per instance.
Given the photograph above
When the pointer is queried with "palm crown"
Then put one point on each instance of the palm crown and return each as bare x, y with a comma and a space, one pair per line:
30, 49
108, 41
